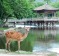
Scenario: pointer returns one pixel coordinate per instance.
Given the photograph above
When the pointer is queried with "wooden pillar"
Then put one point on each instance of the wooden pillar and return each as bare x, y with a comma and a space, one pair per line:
38, 25
45, 28
24, 24
14, 24
47, 25
41, 25
55, 14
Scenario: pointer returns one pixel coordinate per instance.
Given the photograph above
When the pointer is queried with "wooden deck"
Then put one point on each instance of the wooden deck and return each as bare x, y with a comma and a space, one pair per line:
35, 19
44, 22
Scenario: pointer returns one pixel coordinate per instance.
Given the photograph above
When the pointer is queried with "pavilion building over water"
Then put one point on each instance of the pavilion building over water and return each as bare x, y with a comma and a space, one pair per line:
49, 19
48, 15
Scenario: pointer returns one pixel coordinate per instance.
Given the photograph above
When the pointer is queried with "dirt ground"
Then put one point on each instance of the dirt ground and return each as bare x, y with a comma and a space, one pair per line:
24, 53
29, 54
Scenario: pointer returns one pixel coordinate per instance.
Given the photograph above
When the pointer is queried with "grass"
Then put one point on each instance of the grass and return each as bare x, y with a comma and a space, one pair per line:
3, 28
28, 43
16, 52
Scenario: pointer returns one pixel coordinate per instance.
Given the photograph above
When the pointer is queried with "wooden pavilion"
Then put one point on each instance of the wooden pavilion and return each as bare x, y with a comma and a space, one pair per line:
46, 9
49, 15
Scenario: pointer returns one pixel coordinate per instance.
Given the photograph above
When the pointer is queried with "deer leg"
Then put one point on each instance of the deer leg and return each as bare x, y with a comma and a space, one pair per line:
18, 46
9, 46
6, 45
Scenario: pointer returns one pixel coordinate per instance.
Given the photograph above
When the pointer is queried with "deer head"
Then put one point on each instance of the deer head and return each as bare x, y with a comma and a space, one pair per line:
27, 28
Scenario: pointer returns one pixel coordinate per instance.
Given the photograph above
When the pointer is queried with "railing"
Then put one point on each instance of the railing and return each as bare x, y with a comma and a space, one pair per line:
35, 19
41, 18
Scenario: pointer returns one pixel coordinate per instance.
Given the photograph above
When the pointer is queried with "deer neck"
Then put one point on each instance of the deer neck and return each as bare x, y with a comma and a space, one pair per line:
25, 34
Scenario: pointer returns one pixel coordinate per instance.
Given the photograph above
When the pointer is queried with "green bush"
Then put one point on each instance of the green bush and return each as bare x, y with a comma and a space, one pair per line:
2, 42
14, 46
26, 45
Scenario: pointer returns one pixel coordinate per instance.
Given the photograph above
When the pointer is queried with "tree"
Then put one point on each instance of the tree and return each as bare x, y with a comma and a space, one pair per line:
38, 4
21, 8
15, 8
3, 14
47, 1
56, 4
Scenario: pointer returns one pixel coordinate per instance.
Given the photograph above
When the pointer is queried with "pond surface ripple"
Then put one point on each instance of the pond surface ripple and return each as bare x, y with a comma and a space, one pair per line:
52, 46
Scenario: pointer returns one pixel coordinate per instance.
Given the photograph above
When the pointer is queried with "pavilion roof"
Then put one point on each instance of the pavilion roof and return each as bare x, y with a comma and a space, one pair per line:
46, 7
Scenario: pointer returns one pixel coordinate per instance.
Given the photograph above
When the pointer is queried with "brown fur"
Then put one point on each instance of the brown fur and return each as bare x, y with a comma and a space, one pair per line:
17, 36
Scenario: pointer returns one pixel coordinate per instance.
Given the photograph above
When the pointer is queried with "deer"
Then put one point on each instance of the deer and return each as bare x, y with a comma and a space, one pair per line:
12, 35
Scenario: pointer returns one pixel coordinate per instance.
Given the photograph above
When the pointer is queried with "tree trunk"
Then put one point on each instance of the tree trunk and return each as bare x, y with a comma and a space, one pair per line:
4, 22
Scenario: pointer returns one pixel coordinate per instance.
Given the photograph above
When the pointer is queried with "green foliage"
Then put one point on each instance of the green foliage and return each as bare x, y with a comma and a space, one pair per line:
56, 4
2, 42
3, 13
21, 8
39, 4
7, 7
3, 28
47, 1
16, 8
2, 10
28, 43
14, 46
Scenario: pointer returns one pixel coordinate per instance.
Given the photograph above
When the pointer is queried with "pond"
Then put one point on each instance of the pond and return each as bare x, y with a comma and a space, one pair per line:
48, 44
44, 40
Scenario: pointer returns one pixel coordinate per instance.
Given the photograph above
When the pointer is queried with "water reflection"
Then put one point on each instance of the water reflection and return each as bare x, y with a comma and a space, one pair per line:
46, 46
50, 44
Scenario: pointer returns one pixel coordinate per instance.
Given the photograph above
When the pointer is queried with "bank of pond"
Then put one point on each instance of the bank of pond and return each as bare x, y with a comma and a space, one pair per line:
29, 43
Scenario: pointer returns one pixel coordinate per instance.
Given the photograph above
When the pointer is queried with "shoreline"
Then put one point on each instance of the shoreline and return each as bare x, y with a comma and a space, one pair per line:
24, 53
